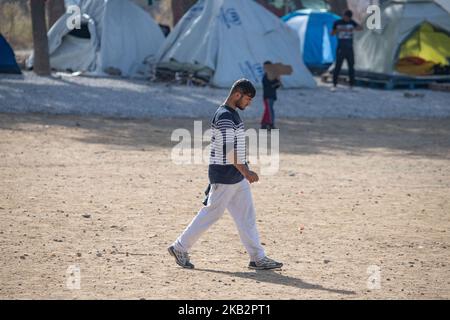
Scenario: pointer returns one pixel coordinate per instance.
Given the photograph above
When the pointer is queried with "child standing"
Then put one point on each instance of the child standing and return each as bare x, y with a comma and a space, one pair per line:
270, 87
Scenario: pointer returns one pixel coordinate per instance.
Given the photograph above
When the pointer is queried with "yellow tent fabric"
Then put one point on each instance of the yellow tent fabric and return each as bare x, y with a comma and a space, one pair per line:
428, 44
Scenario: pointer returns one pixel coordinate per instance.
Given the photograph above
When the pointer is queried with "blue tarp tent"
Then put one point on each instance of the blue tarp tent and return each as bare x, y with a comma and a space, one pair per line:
8, 62
317, 45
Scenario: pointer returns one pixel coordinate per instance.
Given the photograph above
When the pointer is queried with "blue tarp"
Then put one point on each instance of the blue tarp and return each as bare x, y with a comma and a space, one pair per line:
8, 62
319, 47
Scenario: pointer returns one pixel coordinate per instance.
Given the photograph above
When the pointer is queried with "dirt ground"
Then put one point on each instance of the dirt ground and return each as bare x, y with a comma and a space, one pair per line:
103, 196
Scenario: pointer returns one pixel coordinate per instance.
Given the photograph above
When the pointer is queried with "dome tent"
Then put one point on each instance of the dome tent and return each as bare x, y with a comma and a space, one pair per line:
8, 62
317, 46
377, 52
225, 40
115, 34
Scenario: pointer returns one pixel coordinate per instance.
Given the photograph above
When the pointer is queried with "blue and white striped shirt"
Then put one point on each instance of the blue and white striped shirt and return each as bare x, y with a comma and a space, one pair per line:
227, 136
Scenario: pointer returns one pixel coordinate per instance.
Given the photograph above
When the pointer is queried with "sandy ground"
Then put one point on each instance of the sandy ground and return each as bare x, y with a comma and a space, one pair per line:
104, 196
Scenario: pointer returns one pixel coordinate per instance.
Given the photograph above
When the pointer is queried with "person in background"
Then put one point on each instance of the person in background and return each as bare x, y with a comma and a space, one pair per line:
270, 96
344, 30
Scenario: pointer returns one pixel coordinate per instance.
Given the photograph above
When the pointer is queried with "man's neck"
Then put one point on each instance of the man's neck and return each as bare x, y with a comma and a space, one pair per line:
230, 104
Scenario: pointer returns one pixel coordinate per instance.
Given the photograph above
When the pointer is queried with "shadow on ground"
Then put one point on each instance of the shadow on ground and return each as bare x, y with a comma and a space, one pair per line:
421, 138
272, 277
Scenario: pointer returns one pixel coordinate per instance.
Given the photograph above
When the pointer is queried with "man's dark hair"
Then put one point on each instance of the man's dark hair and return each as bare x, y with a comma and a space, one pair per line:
244, 86
348, 13
267, 62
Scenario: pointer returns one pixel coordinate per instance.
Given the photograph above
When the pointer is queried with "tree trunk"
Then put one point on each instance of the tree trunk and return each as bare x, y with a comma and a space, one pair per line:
179, 8
41, 58
298, 4
55, 9
268, 6
288, 6
338, 6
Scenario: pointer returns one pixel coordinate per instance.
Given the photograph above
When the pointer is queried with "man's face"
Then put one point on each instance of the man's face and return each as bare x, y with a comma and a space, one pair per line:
347, 18
243, 101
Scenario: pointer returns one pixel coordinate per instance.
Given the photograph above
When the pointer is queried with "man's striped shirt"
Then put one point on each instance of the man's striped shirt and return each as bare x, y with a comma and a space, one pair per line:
227, 136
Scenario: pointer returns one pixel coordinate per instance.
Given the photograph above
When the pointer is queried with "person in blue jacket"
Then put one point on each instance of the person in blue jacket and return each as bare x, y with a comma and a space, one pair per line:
270, 96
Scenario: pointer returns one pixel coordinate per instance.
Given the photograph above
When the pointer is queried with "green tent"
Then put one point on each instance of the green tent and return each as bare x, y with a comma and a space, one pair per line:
415, 37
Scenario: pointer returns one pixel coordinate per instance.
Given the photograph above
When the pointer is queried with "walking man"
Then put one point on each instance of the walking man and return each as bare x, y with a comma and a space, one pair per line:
344, 30
230, 180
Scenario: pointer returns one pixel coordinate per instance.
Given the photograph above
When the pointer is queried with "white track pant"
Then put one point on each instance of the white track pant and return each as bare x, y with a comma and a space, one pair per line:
237, 198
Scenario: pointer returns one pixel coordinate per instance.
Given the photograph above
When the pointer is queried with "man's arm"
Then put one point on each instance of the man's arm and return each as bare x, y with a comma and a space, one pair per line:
232, 157
245, 171
277, 83
334, 30
358, 27
265, 80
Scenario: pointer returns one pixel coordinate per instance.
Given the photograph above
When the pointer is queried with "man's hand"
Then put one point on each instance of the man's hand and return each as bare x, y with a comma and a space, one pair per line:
244, 170
251, 176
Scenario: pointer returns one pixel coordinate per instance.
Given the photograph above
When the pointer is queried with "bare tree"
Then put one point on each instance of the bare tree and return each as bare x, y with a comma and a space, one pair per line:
278, 12
55, 9
179, 8
288, 6
41, 58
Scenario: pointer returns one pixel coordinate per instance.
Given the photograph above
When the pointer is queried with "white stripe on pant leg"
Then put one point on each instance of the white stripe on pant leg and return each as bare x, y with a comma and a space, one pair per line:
219, 198
243, 212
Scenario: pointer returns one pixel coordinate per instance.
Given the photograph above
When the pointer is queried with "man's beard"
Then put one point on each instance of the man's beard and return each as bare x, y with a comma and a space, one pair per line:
238, 104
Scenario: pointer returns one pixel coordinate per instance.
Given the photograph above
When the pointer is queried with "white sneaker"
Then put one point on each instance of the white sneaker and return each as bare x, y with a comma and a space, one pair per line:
181, 258
265, 264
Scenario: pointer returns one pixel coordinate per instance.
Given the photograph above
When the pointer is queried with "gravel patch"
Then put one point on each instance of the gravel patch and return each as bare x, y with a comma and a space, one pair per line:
125, 98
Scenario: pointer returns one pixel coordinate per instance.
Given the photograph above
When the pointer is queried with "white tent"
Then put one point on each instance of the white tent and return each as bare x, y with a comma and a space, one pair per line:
377, 51
117, 34
230, 39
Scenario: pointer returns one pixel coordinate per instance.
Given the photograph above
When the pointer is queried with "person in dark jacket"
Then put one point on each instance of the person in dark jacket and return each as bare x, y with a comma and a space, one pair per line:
344, 30
270, 96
